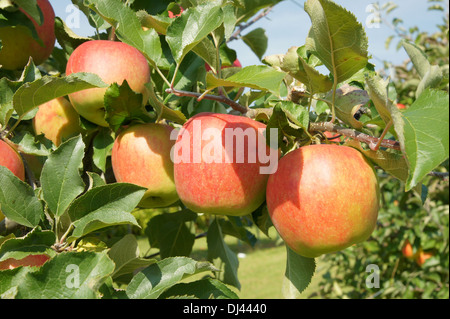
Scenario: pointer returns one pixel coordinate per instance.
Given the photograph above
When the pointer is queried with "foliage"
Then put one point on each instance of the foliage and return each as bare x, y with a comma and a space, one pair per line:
74, 211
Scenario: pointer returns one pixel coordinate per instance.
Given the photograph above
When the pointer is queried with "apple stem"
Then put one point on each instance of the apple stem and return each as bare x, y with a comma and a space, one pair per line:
112, 34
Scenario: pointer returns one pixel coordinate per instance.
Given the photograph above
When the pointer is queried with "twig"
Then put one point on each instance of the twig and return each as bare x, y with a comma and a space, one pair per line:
236, 106
370, 140
242, 27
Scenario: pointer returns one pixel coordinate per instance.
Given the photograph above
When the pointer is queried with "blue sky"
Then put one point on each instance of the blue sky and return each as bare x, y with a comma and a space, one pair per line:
287, 25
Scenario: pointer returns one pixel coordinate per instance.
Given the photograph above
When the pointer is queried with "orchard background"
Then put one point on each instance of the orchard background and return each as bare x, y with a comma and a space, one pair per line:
72, 226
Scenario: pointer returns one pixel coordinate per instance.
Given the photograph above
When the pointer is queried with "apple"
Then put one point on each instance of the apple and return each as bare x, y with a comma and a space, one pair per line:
57, 120
28, 261
407, 250
141, 156
401, 106
323, 198
113, 62
422, 256
19, 45
11, 159
216, 177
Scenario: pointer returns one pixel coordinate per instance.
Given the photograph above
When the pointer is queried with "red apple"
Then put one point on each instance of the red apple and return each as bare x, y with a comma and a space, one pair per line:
401, 106
216, 173
407, 250
422, 256
10, 159
19, 45
323, 198
141, 155
57, 120
113, 62
28, 261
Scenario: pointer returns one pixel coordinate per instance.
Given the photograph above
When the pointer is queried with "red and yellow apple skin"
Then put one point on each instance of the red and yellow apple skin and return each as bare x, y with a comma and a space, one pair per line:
57, 120
323, 198
113, 62
10, 159
221, 188
407, 250
28, 261
422, 257
18, 44
141, 156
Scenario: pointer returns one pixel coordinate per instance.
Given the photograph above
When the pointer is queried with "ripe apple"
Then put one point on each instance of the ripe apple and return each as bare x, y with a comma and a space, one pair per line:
401, 106
323, 198
208, 177
57, 120
30, 261
113, 62
407, 250
19, 45
141, 155
422, 256
10, 159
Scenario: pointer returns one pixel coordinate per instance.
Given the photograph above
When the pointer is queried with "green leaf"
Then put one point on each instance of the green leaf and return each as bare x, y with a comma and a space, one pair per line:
69, 275
123, 105
8, 88
18, 201
163, 111
217, 248
128, 27
34, 242
31, 7
202, 289
126, 256
298, 274
393, 163
431, 75
66, 38
336, 38
289, 118
104, 206
425, 139
259, 77
102, 146
378, 93
170, 234
151, 282
192, 27
348, 101
31, 95
60, 178
257, 41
